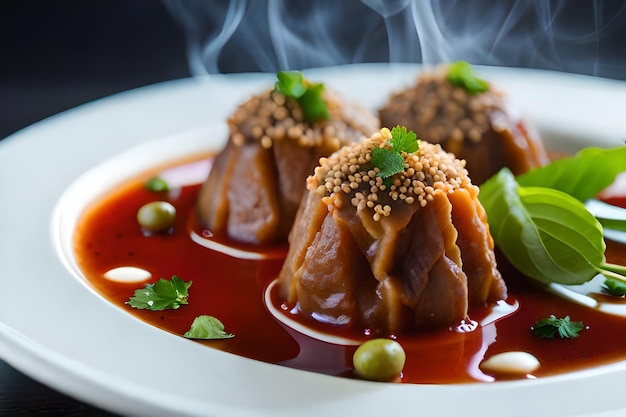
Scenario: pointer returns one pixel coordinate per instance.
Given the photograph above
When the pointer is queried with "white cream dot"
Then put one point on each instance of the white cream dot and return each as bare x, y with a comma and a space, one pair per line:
128, 274
514, 362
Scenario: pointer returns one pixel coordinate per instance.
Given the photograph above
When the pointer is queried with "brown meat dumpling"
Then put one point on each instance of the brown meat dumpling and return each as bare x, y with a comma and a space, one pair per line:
482, 127
256, 183
392, 255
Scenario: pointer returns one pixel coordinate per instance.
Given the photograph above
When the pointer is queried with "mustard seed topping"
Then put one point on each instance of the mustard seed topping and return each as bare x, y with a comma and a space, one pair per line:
441, 112
271, 116
349, 171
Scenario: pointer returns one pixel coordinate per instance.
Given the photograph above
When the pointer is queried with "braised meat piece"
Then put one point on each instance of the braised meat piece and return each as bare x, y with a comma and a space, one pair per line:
390, 254
481, 126
257, 181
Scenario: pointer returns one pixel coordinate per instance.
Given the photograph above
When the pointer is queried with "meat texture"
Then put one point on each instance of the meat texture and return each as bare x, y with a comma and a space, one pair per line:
257, 181
484, 129
421, 266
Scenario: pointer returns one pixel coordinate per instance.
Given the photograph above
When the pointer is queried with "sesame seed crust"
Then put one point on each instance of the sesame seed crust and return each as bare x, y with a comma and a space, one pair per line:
442, 112
349, 172
271, 116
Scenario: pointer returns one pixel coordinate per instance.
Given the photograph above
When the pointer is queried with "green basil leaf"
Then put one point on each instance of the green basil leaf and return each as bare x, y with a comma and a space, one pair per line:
509, 222
613, 224
546, 234
571, 237
582, 176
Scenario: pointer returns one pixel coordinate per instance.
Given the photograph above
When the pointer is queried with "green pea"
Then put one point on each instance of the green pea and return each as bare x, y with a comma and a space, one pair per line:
157, 216
157, 185
379, 360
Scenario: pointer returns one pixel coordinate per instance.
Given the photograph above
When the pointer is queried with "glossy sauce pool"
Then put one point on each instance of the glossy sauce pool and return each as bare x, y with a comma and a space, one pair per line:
233, 290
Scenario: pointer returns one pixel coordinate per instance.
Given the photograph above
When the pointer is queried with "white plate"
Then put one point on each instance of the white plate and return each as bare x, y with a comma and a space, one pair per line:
56, 329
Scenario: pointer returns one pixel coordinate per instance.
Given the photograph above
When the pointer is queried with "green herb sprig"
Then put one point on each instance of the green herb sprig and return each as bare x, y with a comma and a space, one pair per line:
461, 74
162, 295
539, 221
207, 327
309, 95
550, 327
390, 160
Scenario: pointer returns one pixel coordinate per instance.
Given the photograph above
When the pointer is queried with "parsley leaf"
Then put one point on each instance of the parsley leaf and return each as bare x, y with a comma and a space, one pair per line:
460, 74
403, 140
157, 184
207, 327
390, 161
313, 104
161, 295
552, 326
291, 83
310, 96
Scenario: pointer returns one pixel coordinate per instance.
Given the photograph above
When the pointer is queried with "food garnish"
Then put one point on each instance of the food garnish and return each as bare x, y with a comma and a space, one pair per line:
461, 74
252, 195
157, 185
390, 160
486, 130
540, 224
162, 295
309, 95
207, 328
383, 247
550, 327
379, 360
583, 175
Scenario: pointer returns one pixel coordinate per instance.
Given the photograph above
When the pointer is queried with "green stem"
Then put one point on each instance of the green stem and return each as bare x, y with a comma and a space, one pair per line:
613, 271
613, 224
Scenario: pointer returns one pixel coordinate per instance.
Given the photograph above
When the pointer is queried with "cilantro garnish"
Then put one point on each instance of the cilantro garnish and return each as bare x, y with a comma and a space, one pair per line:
157, 184
310, 96
390, 160
552, 326
161, 295
460, 74
403, 140
291, 83
207, 327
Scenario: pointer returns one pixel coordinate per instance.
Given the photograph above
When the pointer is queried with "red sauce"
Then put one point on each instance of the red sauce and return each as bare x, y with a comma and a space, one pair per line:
619, 201
232, 290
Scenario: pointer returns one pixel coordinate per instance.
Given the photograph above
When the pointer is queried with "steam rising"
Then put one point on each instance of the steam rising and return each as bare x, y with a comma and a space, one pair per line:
272, 35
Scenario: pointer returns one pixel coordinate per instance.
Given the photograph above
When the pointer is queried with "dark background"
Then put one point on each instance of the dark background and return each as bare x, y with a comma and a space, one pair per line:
57, 54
